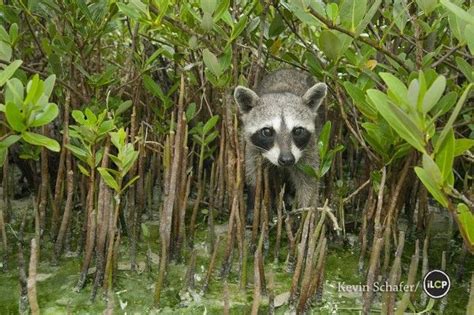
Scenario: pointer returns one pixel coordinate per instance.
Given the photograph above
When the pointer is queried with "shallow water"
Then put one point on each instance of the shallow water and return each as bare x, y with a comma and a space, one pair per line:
134, 290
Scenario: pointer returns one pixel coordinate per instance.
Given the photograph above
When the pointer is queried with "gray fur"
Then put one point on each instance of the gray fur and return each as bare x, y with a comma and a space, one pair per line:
284, 100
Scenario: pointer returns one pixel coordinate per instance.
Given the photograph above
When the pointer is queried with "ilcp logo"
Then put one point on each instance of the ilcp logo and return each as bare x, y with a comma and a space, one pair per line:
436, 284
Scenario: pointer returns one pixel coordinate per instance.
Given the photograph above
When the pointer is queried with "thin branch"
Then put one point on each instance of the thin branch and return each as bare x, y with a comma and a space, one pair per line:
444, 57
6, 136
186, 30
294, 30
269, 55
324, 208
355, 192
33, 71
35, 38
458, 195
358, 136
367, 41
255, 64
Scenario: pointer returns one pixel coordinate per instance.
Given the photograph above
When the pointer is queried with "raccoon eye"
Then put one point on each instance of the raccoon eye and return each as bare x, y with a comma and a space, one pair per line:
267, 132
299, 131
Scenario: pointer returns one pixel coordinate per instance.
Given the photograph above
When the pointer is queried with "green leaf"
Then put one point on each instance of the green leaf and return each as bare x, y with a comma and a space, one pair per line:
78, 117
129, 10
332, 11
323, 141
225, 59
375, 137
465, 68
434, 93
208, 6
14, 92
4, 36
129, 161
330, 44
8, 141
13, 33
400, 14
211, 62
198, 139
81, 4
398, 120
156, 90
427, 6
98, 156
462, 145
456, 26
130, 182
78, 152
299, 9
49, 113
308, 170
445, 156
145, 231
37, 139
163, 6
209, 138
190, 111
5, 51
118, 138
412, 94
338, 148
469, 36
15, 117
401, 151
6, 73
397, 87
207, 22
277, 26
327, 161
359, 101
421, 92
49, 85
238, 28
105, 127
123, 107
445, 104
34, 88
459, 12
352, 12
222, 8
325, 165
466, 220
431, 185
453, 117
83, 170
430, 166
108, 179
210, 124
91, 118
368, 17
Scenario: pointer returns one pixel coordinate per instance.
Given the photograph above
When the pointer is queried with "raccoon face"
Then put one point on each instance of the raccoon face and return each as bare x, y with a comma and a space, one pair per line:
280, 125
282, 148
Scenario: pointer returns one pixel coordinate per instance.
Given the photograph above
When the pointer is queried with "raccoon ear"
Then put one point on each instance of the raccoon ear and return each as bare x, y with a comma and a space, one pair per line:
315, 95
245, 98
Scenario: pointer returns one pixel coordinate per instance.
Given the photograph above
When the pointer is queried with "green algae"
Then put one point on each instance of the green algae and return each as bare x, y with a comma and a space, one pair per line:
134, 291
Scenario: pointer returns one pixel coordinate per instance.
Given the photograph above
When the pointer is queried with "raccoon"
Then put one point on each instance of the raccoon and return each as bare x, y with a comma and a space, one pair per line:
279, 123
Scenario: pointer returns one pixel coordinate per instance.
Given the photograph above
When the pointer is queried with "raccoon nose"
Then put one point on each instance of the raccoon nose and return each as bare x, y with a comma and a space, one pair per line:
286, 159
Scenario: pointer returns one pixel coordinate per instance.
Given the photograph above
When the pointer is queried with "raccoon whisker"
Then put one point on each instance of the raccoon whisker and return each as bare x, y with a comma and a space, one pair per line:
257, 147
